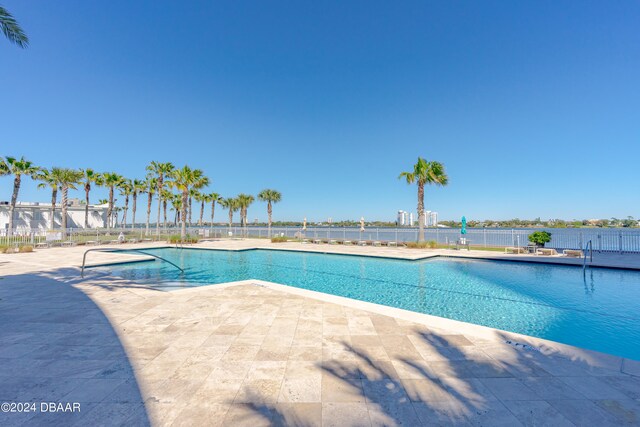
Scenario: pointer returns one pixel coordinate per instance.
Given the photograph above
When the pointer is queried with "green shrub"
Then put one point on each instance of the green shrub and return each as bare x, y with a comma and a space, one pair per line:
540, 237
177, 239
430, 244
26, 248
3, 249
279, 239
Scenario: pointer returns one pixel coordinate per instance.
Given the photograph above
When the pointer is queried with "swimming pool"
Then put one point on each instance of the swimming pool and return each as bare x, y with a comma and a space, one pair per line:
599, 311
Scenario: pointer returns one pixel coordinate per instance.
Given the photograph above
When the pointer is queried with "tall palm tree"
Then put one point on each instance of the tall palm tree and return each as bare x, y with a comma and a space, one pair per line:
69, 178
18, 168
126, 189
137, 187
270, 196
213, 199
50, 178
232, 205
90, 177
244, 201
12, 30
110, 180
184, 179
161, 171
152, 187
425, 172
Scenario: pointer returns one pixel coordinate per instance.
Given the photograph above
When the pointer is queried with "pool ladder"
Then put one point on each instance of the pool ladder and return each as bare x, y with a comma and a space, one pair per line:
588, 247
84, 257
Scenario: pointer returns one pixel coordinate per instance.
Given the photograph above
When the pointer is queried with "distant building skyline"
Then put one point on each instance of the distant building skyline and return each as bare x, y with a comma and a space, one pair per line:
405, 218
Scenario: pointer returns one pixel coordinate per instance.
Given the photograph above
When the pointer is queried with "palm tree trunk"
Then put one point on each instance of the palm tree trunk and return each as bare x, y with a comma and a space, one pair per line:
230, 218
149, 200
201, 212
87, 189
126, 209
183, 228
269, 212
160, 187
65, 199
133, 209
420, 212
213, 210
190, 209
164, 208
14, 199
110, 208
52, 212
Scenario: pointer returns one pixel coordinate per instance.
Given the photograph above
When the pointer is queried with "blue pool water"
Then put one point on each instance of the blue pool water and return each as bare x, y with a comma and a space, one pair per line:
599, 311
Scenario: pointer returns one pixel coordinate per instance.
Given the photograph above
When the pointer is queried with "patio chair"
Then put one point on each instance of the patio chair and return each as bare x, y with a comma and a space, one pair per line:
573, 253
546, 251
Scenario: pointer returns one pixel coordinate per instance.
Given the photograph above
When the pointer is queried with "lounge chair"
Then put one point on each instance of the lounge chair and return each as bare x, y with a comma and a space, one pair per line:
390, 244
362, 243
347, 243
376, 243
333, 242
317, 241
515, 250
546, 251
305, 240
573, 253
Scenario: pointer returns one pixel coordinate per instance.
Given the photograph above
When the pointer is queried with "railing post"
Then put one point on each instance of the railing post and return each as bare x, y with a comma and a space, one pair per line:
620, 240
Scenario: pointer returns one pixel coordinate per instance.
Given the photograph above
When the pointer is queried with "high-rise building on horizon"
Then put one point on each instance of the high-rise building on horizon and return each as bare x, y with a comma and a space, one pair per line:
403, 218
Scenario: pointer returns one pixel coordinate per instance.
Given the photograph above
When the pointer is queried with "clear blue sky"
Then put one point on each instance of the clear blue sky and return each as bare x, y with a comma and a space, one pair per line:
534, 107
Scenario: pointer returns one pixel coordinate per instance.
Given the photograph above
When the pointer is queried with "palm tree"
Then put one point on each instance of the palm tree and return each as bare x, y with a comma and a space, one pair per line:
137, 187
244, 201
12, 30
90, 176
231, 204
68, 179
213, 198
184, 179
161, 170
269, 196
126, 188
17, 168
152, 187
425, 172
111, 180
50, 179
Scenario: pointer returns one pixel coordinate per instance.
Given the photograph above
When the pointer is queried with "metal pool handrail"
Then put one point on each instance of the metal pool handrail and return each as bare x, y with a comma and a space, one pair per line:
84, 257
589, 247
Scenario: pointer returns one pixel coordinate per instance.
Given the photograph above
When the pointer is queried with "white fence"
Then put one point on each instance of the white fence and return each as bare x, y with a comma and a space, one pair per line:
604, 240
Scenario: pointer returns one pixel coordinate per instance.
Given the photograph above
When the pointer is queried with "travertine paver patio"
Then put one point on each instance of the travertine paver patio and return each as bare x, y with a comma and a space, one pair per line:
254, 355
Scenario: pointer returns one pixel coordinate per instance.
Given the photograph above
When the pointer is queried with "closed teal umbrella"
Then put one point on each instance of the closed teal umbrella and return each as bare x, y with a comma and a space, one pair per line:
463, 230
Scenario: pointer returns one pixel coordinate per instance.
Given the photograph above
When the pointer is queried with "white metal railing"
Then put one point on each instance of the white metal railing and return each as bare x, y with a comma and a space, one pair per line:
603, 240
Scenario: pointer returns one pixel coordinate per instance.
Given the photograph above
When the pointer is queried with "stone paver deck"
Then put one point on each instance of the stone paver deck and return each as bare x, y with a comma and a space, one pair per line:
254, 353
